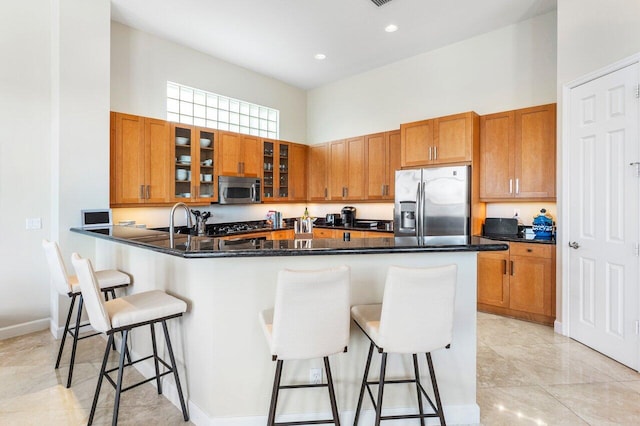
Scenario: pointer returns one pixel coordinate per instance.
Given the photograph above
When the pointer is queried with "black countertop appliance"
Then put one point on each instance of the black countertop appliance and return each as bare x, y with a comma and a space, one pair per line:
348, 215
333, 219
500, 227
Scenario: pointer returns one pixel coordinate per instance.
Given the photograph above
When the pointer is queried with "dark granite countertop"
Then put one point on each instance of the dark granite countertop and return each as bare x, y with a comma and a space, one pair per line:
521, 239
209, 247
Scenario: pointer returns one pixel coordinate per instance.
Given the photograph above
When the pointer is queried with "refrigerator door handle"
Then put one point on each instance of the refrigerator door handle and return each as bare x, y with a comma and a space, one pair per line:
423, 208
418, 213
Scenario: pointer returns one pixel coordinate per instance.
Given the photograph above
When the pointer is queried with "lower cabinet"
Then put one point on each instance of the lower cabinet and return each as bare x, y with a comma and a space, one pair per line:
519, 282
339, 233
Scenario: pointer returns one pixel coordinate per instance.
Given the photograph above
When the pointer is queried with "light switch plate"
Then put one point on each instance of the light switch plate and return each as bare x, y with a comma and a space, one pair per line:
34, 223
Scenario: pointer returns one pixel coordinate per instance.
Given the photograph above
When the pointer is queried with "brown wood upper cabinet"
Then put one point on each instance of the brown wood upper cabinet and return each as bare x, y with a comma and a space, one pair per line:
298, 172
140, 161
284, 171
239, 155
318, 175
346, 169
518, 154
382, 159
442, 140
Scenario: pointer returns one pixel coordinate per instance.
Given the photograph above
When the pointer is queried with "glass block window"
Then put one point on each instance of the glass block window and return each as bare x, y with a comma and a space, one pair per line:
188, 105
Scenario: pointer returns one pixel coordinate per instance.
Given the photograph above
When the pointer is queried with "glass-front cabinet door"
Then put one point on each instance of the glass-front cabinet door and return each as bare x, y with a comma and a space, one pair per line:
204, 179
182, 142
268, 170
193, 179
283, 170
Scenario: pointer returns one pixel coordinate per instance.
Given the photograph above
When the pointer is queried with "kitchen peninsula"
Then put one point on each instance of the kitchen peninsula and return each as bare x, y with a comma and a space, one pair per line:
219, 344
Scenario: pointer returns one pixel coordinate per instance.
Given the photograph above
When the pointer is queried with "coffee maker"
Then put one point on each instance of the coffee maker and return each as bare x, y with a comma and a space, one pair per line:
348, 216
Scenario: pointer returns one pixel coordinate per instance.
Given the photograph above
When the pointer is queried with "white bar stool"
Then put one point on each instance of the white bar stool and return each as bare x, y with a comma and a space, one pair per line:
67, 285
310, 319
122, 315
416, 316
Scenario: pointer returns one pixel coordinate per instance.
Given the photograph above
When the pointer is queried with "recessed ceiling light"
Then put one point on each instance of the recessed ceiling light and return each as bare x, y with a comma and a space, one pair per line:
320, 56
391, 28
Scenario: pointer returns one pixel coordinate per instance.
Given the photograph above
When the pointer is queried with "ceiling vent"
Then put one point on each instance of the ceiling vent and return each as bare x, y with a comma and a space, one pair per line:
380, 2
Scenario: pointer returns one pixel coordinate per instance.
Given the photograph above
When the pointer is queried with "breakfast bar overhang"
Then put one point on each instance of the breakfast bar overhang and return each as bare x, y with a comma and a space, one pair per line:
219, 344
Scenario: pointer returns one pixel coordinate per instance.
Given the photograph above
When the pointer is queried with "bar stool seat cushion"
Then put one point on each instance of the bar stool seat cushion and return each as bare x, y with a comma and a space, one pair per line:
142, 307
106, 279
368, 318
266, 321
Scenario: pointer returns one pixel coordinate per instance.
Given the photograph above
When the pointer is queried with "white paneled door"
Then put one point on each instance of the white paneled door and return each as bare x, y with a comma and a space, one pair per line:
603, 205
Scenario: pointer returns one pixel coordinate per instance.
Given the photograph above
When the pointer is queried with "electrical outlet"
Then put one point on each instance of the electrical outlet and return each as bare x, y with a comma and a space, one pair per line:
315, 376
34, 223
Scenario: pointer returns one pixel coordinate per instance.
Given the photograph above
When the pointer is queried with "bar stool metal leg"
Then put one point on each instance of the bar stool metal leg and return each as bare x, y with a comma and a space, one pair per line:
434, 383
185, 414
383, 368
332, 393
75, 334
123, 349
274, 394
66, 330
155, 358
100, 376
417, 374
364, 385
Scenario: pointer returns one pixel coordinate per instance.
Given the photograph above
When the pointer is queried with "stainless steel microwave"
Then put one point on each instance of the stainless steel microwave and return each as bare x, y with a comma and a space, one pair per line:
238, 190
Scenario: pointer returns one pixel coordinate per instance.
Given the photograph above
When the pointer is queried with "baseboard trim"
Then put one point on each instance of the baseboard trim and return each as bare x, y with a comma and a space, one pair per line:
24, 328
455, 414
557, 327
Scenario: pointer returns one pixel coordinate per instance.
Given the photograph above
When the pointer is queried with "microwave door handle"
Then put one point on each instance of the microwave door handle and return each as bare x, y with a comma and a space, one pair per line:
253, 192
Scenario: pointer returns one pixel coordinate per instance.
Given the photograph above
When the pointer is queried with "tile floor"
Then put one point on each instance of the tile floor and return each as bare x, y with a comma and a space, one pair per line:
527, 375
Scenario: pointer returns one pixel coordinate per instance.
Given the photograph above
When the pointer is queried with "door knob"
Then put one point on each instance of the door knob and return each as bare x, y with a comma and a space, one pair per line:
574, 245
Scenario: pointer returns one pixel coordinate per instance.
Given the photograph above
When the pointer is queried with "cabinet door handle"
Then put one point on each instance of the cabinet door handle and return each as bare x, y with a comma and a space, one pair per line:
435, 152
325, 193
142, 192
504, 267
511, 264
430, 148
510, 186
148, 192
517, 186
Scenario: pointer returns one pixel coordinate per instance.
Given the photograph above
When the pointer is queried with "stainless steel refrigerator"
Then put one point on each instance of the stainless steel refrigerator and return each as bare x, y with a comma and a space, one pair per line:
433, 203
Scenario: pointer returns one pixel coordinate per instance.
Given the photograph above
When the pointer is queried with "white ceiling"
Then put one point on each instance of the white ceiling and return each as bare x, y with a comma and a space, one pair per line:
279, 38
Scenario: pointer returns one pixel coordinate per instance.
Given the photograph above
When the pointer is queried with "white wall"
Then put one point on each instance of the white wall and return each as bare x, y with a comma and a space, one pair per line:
54, 157
593, 34
25, 85
508, 68
80, 122
141, 64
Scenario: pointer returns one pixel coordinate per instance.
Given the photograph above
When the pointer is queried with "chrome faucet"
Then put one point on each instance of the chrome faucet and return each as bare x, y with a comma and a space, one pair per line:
171, 221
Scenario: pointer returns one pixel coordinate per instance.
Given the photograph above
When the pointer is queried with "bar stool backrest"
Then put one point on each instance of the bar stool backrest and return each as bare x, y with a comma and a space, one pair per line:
57, 269
98, 316
311, 313
417, 309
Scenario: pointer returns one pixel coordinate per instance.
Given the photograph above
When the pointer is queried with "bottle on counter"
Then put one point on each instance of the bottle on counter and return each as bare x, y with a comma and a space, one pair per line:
305, 221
